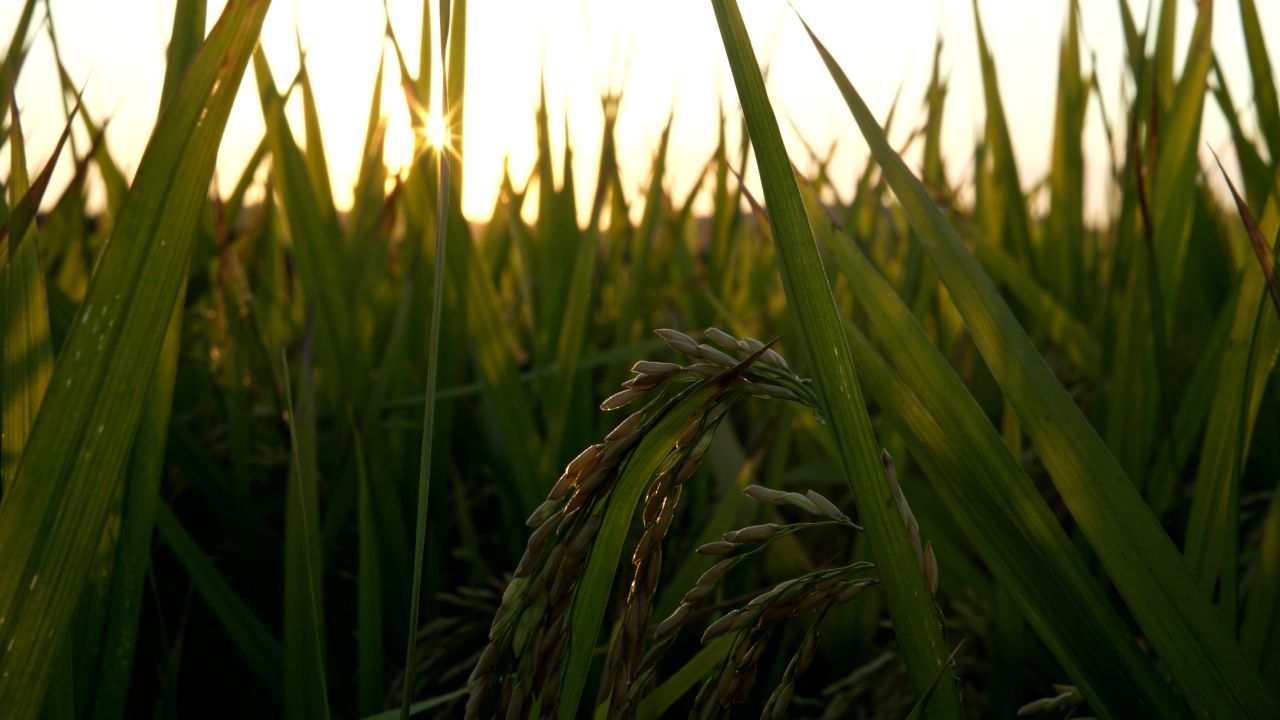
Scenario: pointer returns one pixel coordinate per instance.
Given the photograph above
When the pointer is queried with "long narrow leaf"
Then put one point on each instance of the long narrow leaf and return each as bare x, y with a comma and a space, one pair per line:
28, 350
305, 687
1213, 527
138, 511
259, 648
1148, 571
146, 466
443, 204
82, 437
983, 487
822, 333
591, 598
1264, 86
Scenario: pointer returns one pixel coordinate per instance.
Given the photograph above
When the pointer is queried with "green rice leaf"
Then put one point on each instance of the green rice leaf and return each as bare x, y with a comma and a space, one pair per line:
123, 596
367, 204
1166, 36
641, 252
999, 509
317, 165
305, 688
658, 703
137, 517
1013, 223
1252, 166
1213, 529
595, 588
1260, 632
259, 648
447, 209
184, 42
422, 705
1176, 165
1264, 86
28, 350
317, 245
82, 438
1146, 568
1065, 240
1133, 40
1044, 310
822, 335
15, 57
558, 400
370, 686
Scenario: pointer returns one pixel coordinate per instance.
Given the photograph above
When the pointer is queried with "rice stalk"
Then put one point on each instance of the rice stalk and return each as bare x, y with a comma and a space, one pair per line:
524, 660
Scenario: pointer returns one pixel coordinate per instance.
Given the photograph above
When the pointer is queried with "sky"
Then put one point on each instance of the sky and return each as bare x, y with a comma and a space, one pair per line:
665, 55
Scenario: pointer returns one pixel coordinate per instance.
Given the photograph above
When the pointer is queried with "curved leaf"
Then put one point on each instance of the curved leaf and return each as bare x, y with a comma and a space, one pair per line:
81, 440
1147, 569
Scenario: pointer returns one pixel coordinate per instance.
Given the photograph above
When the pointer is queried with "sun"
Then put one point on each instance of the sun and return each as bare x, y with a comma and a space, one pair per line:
406, 139
435, 131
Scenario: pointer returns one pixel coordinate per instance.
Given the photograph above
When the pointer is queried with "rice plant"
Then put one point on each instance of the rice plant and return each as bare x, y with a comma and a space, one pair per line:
267, 455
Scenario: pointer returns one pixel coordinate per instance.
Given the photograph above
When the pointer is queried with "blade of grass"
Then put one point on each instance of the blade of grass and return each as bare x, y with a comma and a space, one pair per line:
1264, 86
1190, 417
317, 165
577, 306
1156, 584
999, 509
822, 334
935, 105
15, 56
366, 205
133, 556
658, 702
184, 40
638, 271
1065, 240
1252, 167
1260, 632
492, 343
1257, 236
370, 685
453, 44
1166, 36
82, 437
114, 181
1044, 310
1213, 528
1015, 221
22, 215
1176, 160
917, 710
422, 705
317, 246
146, 465
28, 350
548, 274
306, 693
1134, 41
595, 588
260, 650
426, 52
443, 181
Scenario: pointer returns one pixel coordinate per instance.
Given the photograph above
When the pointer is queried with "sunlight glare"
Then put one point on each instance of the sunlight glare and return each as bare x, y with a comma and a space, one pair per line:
436, 131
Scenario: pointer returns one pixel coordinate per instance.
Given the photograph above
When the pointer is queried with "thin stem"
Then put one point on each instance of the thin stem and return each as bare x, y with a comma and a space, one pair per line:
429, 410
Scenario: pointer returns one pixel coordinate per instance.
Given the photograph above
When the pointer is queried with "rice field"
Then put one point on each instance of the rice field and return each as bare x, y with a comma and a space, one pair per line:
946, 447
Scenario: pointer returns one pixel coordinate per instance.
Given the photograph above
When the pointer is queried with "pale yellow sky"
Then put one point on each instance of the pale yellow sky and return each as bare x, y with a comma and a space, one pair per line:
665, 53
